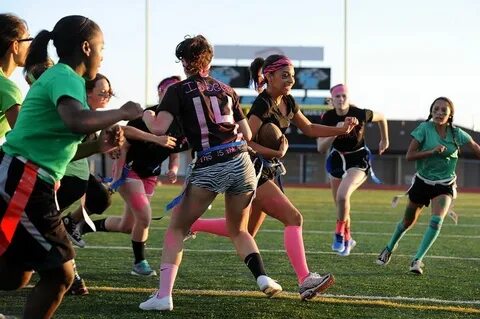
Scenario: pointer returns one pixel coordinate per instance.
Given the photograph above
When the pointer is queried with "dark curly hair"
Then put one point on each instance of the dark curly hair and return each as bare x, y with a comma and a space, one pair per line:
197, 53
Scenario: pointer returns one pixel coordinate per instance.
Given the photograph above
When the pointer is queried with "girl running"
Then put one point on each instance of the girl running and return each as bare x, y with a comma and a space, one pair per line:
434, 147
216, 129
276, 105
32, 236
348, 161
142, 159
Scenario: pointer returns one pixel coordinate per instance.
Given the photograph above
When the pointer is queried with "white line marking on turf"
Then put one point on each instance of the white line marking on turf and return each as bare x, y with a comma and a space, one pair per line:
355, 232
276, 251
415, 302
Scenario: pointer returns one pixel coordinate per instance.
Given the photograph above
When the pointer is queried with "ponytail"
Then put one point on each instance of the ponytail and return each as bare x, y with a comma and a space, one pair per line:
38, 51
255, 68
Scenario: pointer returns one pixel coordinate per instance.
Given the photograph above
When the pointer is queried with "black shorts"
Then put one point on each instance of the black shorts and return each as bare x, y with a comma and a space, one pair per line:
270, 170
421, 192
338, 163
72, 188
39, 240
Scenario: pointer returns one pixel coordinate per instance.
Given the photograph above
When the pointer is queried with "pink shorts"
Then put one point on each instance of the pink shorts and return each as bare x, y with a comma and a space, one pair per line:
149, 183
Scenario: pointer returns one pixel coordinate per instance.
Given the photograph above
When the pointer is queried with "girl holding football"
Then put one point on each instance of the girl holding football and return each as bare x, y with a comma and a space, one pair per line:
276, 105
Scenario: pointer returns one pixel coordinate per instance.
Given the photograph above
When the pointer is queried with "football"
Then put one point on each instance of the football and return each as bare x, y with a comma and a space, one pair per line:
269, 135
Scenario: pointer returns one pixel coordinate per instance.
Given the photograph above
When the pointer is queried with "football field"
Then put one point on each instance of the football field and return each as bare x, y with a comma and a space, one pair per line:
214, 283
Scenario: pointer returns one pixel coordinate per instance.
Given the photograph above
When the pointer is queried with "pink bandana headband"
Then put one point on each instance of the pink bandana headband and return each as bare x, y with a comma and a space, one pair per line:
277, 65
338, 90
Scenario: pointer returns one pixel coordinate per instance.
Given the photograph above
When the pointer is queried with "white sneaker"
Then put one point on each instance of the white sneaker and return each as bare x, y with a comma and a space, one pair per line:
349, 245
269, 286
160, 304
416, 267
315, 284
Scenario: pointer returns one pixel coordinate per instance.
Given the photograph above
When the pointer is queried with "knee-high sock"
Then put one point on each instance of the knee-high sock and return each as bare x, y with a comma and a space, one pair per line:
431, 234
293, 240
340, 227
347, 235
400, 230
168, 273
216, 226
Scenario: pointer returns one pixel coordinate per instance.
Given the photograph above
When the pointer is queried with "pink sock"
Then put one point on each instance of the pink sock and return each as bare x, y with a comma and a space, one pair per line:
296, 251
216, 226
168, 273
340, 228
348, 236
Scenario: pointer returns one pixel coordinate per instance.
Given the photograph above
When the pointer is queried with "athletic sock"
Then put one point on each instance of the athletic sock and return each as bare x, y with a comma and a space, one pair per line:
138, 250
340, 227
254, 262
99, 226
400, 230
168, 273
293, 241
431, 234
347, 235
216, 226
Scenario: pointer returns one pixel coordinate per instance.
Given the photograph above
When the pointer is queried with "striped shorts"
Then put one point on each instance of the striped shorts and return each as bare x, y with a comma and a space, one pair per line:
32, 235
236, 176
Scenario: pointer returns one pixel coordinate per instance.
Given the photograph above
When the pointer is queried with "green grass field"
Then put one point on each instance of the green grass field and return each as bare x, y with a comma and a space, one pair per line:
214, 283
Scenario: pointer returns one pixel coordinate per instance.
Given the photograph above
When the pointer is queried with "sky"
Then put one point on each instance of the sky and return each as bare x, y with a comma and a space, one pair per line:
401, 55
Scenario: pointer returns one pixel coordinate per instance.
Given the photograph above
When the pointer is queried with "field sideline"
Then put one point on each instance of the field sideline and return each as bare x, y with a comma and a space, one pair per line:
214, 283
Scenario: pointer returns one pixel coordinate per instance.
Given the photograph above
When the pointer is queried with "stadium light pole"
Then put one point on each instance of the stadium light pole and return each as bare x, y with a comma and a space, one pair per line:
345, 47
147, 49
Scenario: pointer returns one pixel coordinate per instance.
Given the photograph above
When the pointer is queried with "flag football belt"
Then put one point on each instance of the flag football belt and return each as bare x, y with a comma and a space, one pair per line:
17, 203
443, 182
219, 154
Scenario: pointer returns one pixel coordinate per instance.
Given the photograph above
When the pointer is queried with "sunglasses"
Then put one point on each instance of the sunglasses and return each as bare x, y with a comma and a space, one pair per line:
25, 40
105, 95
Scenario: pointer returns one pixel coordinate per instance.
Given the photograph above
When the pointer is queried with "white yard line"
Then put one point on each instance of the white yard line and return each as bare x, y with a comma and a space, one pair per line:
276, 251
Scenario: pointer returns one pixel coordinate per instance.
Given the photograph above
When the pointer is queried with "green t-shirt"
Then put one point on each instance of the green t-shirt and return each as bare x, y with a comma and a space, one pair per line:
438, 166
10, 95
78, 168
40, 135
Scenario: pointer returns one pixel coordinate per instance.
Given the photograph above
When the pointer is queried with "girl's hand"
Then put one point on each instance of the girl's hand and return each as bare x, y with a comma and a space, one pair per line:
131, 110
350, 123
383, 146
439, 149
172, 176
166, 141
110, 139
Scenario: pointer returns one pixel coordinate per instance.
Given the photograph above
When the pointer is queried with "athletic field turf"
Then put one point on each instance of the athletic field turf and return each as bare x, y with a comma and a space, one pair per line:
214, 283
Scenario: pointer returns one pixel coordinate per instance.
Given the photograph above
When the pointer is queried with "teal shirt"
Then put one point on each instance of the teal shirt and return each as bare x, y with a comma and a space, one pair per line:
40, 135
443, 165
10, 95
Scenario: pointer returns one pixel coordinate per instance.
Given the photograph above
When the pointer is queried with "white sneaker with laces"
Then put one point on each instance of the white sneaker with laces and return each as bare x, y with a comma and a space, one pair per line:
155, 303
416, 267
315, 284
269, 286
